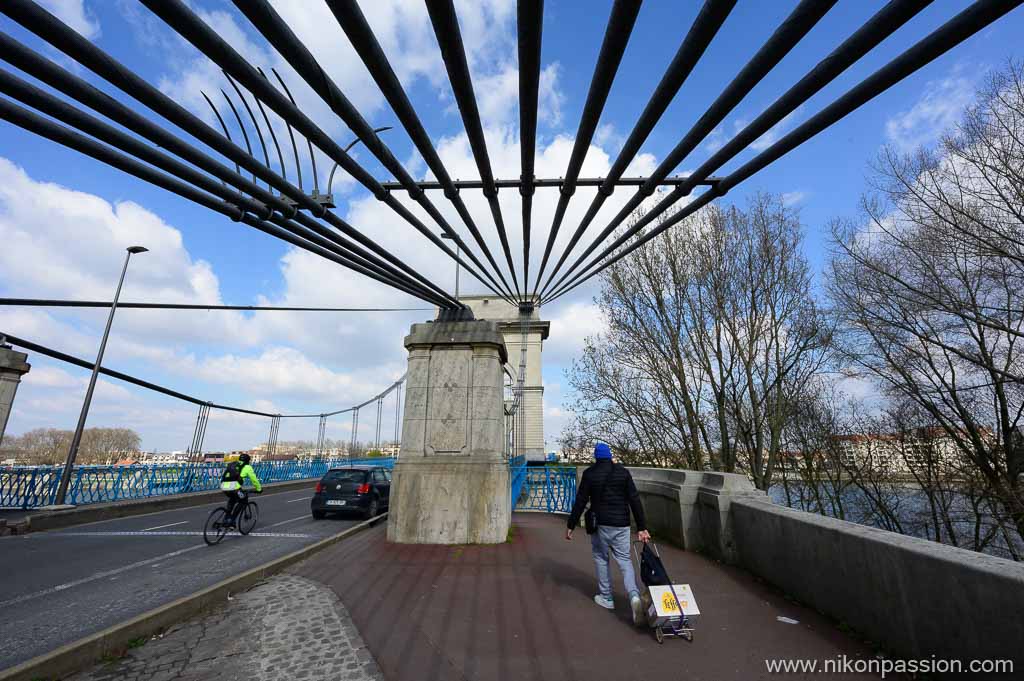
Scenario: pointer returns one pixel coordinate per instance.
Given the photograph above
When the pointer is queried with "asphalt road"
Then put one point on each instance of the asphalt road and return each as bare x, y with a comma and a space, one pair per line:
58, 586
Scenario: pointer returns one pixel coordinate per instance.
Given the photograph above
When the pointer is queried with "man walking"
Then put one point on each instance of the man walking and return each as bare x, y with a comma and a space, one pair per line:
608, 488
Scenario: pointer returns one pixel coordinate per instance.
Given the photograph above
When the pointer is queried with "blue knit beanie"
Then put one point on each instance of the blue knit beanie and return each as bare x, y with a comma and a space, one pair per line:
602, 451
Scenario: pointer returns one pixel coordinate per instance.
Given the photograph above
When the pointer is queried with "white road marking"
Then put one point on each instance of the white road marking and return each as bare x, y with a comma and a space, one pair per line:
160, 527
294, 500
99, 575
285, 522
125, 568
172, 533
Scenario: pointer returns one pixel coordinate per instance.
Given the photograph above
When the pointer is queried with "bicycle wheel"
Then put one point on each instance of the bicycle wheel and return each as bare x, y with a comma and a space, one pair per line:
248, 517
215, 527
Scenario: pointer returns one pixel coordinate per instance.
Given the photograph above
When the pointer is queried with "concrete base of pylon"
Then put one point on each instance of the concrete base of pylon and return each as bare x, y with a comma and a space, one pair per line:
451, 483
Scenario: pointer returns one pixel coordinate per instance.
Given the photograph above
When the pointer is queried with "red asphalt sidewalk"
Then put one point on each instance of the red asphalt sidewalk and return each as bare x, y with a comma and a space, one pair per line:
524, 610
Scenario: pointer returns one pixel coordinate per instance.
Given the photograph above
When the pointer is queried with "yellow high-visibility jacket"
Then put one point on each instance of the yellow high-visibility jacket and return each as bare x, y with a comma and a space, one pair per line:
247, 473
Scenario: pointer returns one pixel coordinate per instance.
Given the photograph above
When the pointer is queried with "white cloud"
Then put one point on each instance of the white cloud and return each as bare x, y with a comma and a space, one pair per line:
497, 96
775, 132
718, 137
403, 30
793, 198
74, 14
937, 110
715, 140
571, 325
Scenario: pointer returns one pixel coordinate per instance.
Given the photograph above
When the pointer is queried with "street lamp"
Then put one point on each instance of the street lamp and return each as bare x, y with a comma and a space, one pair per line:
65, 477
458, 253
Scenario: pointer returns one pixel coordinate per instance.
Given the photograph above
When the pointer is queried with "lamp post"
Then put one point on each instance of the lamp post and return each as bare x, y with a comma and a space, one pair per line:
65, 477
458, 254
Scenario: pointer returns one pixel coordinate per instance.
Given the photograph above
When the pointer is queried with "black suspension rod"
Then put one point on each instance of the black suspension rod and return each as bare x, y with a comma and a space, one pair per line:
552, 182
83, 51
613, 47
879, 27
961, 27
180, 18
529, 29
792, 30
252, 117
705, 27
350, 18
47, 302
101, 152
43, 101
445, 25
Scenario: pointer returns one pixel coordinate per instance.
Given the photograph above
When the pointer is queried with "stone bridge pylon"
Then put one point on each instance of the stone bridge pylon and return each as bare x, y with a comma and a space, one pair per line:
451, 483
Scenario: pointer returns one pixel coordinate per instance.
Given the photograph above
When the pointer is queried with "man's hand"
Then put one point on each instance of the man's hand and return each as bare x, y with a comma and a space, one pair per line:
644, 536
568, 535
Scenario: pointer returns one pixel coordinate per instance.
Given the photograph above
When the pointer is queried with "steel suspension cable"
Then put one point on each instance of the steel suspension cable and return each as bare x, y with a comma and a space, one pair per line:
85, 364
41, 302
961, 27
879, 27
39, 99
187, 24
50, 73
56, 33
352, 21
613, 47
692, 48
799, 22
445, 25
101, 152
529, 30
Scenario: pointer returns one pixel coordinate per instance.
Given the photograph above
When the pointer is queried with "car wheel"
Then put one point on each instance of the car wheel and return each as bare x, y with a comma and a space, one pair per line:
371, 509
319, 515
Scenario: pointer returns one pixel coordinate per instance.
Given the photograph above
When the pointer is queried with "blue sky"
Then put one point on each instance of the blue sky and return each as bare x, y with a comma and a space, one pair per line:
65, 219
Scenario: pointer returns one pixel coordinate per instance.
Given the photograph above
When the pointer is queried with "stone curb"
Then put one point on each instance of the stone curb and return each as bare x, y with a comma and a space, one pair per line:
91, 513
74, 656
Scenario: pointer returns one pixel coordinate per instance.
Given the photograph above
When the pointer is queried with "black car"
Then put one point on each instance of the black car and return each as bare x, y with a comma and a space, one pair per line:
342, 490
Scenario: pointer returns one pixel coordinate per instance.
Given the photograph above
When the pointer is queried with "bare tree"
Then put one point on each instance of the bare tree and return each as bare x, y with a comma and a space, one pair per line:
710, 332
50, 446
929, 286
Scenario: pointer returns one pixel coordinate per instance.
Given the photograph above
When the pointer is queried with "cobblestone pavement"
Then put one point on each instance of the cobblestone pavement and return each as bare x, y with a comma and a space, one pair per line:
287, 628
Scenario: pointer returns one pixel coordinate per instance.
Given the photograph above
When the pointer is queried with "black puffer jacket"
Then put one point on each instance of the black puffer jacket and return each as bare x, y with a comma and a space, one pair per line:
612, 487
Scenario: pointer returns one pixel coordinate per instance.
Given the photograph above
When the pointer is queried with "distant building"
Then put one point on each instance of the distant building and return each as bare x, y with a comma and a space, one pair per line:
163, 457
899, 453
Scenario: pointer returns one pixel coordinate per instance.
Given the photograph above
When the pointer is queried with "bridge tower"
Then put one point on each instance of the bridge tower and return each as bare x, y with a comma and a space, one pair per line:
530, 441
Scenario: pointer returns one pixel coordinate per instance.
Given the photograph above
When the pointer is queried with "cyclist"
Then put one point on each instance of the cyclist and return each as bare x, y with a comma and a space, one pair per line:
235, 474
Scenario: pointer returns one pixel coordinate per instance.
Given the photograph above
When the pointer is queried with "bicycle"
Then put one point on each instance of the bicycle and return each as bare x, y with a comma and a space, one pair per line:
216, 527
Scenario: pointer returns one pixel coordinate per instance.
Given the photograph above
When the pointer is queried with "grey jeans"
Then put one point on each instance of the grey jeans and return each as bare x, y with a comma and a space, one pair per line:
614, 541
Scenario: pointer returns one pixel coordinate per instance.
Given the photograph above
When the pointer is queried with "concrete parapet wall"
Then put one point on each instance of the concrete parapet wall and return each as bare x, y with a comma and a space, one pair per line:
691, 508
915, 597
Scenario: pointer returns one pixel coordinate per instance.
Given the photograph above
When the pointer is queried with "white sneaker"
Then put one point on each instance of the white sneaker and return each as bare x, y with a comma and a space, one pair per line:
638, 610
606, 603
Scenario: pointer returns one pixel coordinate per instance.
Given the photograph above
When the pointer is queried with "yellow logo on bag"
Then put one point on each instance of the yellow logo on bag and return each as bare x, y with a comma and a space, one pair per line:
668, 603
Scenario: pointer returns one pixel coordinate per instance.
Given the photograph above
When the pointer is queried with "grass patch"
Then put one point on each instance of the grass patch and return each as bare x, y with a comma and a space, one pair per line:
137, 642
511, 534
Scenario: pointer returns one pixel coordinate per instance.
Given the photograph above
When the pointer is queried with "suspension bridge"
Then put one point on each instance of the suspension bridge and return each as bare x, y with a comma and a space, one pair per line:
468, 411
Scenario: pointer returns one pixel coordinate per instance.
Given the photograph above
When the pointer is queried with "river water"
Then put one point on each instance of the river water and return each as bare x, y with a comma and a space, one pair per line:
908, 512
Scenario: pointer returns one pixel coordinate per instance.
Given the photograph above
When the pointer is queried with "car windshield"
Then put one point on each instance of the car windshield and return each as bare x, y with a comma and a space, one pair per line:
345, 476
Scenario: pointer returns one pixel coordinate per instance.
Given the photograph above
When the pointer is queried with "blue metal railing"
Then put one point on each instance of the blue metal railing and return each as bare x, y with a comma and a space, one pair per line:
33, 486
543, 488
517, 477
